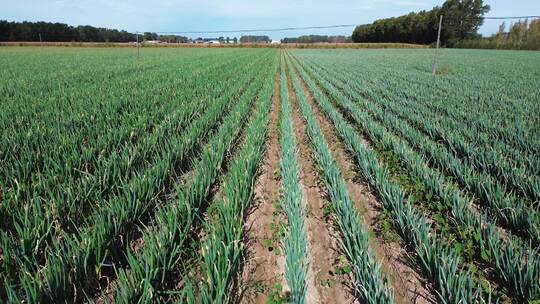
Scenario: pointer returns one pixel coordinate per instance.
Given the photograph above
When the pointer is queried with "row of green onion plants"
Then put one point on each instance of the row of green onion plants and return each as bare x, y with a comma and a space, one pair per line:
166, 241
34, 223
295, 242
421, 96
503, 113
369, 284
80, 258
82, 149
439, 262
509, 210
223, 247
517, 265
510, 172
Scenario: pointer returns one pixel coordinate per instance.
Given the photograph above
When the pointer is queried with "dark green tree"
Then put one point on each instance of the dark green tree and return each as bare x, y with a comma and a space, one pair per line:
255, 39
59, 32
462, 19
150, 36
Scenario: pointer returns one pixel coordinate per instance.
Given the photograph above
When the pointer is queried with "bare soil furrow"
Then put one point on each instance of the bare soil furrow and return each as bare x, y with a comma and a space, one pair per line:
408, 284
264, 267
324, 248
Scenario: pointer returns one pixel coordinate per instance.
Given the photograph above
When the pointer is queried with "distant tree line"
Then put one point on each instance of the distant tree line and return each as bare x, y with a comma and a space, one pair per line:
173, 39
522, 35
149, 36
317, 39
60, 32
255, 39
461, 21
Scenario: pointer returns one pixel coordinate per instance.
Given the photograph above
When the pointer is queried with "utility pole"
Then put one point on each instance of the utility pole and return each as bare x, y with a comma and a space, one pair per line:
437, 49
138, 51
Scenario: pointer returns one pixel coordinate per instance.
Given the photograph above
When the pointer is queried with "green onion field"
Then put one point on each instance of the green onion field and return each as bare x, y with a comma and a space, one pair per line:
269, 175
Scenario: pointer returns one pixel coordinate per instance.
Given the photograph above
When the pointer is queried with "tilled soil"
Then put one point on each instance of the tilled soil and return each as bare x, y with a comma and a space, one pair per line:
407, 282
324, 251
264, 267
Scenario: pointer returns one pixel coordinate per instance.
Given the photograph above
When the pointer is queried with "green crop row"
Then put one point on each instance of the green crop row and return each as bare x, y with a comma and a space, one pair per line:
517, 265
166, 240
369, 284
119, 169
103, 172
496, 101
507, 208
439, 262
223, 248
295, 242
491, 158
73, 262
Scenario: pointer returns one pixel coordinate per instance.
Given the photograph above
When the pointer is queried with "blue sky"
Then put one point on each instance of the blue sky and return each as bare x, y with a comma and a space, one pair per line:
192, 15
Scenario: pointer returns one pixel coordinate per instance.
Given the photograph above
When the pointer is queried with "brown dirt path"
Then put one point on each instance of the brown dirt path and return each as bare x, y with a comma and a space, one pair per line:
264, 266
323, 239
408, 284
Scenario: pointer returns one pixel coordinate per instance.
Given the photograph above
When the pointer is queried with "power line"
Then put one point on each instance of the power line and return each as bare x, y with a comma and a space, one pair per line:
262, 30
515, 17
453, 22
313, 27
499, 18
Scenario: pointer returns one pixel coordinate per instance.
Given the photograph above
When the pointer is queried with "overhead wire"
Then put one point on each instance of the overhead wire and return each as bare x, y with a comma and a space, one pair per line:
317, 27
259, 30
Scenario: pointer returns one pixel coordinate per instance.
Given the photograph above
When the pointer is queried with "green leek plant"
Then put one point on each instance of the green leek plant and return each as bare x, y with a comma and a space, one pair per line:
517, 264
368, 280
439, 262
